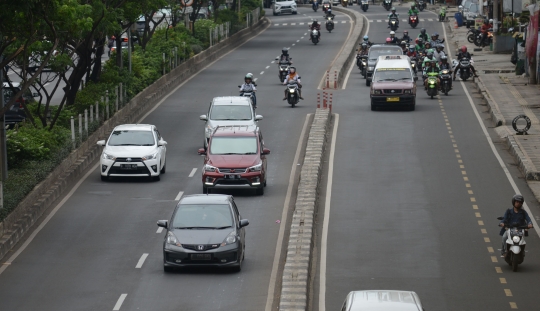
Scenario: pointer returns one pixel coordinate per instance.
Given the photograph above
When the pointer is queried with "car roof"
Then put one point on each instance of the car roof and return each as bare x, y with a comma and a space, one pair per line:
134, 127
387, 300
384, 62
231, 100
384, 46
205, 199
236, 130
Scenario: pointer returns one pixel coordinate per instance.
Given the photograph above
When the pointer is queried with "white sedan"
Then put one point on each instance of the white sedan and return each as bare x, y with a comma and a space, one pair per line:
133, 150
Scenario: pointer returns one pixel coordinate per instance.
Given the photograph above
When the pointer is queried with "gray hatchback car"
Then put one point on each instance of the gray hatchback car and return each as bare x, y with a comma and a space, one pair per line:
204, 230
387, 300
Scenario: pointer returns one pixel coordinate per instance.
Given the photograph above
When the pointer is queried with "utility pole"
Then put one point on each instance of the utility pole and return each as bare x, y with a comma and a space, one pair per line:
3, 151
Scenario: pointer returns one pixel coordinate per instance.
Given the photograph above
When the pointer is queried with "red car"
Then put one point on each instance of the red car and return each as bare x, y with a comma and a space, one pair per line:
235, 158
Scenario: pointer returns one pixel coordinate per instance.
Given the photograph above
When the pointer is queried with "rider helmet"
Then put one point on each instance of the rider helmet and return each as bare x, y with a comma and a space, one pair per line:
316, 21
364, 46
418, 40
444, 59
429, 53
460, 7
463, 49
392, 33
329, 11
249, 76
433, 62
426, 45
292, 69
413, 6
405, 32
517, 198
388, 40
285, 51
491, 20
440, 47
412, 47
393, 10
404, 43
436, 35
423, 31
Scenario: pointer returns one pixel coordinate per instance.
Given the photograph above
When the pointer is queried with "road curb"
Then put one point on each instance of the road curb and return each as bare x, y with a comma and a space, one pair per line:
66, 174
296, 273
523, 162
495, 113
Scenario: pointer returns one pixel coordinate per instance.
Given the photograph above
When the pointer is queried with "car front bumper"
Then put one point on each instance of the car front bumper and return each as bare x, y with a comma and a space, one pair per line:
226, 256
250, 180
283, 10
404, 99
117, 168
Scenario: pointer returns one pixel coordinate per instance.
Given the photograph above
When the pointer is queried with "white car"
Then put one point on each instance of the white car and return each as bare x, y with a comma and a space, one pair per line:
284, 6
226, 111
388, 300
133, 150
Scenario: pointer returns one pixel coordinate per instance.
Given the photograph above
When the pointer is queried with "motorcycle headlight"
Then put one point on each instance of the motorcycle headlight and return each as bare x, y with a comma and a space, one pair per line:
431, 81
171, 239
363, 63
370, 68
108, 156
407, 92
209, 168
230, 239
255, 168
516, 239
150, 156
291, 90
377, 92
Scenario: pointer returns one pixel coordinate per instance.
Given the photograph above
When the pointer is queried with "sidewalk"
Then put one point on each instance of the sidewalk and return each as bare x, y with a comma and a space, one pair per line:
507, 96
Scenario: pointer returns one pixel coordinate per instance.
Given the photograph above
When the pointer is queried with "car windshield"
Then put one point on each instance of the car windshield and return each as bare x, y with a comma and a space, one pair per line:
282, 0
131, 138
233, 145
392, 74
203, 216
231, 112
375, 53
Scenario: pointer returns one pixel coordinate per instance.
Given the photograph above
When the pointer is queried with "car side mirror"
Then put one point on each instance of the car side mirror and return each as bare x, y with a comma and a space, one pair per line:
203, 117
100, 143
163, 223
162, 143
244, 223
258, 117
201, 151
35, 94
266, 151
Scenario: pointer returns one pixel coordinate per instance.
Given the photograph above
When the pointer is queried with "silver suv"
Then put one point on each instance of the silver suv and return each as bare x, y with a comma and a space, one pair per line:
228, 110
388, 300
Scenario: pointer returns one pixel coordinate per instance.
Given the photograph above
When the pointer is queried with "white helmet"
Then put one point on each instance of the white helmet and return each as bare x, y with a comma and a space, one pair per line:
491, 20
460, 7
392, 32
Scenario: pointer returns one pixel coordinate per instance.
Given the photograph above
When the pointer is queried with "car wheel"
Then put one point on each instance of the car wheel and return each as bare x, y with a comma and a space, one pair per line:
294, 13
163, 169
168, 269
275, 14
104, 178
259, 191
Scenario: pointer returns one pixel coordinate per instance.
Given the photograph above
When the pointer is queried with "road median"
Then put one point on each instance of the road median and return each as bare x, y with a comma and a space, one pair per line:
65, 176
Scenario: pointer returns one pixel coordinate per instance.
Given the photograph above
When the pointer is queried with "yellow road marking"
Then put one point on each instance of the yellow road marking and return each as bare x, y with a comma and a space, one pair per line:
473, 200
477, 214
494, 259
513, 305
470, 192
503, 280
490, 249
458, 156
484, 231
480, 223
486, 240
508, 292
455, 145
463, 172
462, 166
465, 178
475, 206
447, 123
460, 161
498, 269
468, 185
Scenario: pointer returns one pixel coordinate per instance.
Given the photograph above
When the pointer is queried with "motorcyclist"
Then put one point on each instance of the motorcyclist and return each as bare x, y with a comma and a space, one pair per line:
420, 47
432, 67
423, 35
329, 14
436, 39
388, 41
393, 38
427, 46
293, 77
315, 25
514, 216
413, 10
445, 65
429, 57
411, 52
404, 47
365, 39
315, 5
463, 53
393, 15
488, 24
363, 50
439, 52
249, 86
285, 58
406, 37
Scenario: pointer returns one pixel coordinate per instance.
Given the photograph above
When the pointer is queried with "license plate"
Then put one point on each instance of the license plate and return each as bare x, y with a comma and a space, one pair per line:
201, 256
392, 99
128, 166
232, 176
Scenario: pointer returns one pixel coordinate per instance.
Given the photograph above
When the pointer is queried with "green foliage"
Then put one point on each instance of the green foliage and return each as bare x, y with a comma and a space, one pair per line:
202, 30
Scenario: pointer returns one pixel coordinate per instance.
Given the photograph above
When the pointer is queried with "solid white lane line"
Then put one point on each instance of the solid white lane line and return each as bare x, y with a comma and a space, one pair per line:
284, 24
305, 34
353, 64
141, 261
294, 44
378, 21
301, 37
343, 22
293, 24
272, 61
159, 230
494, 150
262, 72
284, 216
47, 219
179, 196
301, 23
276, 24
193, 172
267, 67
297, 40
324, 237
119, 303
255, 80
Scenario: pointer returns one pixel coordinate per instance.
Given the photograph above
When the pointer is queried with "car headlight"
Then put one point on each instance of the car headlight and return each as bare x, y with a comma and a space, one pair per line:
407, 91
515, 239
230, 239
370, 68
106, 156
171, 239
377, 92
150, 156
255, 168
209, 168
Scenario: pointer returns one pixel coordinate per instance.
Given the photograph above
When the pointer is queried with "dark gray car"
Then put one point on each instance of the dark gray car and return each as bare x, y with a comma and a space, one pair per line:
374, 52
204, 230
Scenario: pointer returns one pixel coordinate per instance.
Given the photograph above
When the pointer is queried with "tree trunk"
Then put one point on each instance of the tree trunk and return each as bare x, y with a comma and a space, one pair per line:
77, 74
119, 61
96, 71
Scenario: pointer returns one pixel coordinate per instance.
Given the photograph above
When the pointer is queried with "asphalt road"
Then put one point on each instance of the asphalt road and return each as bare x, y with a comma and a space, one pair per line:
85, 258
414, 201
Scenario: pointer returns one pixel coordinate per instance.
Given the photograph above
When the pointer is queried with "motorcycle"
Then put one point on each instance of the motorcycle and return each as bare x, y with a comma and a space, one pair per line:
292, 94
394, 24
315, 5
515, 245
364, 5
465, 68
283, 70
329, 23
442, 14
414, 65
344, 3
314, 36
325, 7
432, 84
446, 79
361, 62
387, 4
472, 34
481, 42
250, 95
413, 20
421, 5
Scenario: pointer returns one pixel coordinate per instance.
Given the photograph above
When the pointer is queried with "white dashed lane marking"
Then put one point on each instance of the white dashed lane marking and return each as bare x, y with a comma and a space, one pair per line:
192, 172
119, 303
267, 67
141, 261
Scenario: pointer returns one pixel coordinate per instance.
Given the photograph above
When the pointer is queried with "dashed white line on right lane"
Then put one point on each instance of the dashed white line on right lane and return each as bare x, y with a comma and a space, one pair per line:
192, 172
179, 195
119, 303
141, 261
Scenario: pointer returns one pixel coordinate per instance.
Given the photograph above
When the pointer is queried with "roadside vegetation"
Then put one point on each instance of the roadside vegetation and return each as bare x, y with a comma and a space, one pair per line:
55, 47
